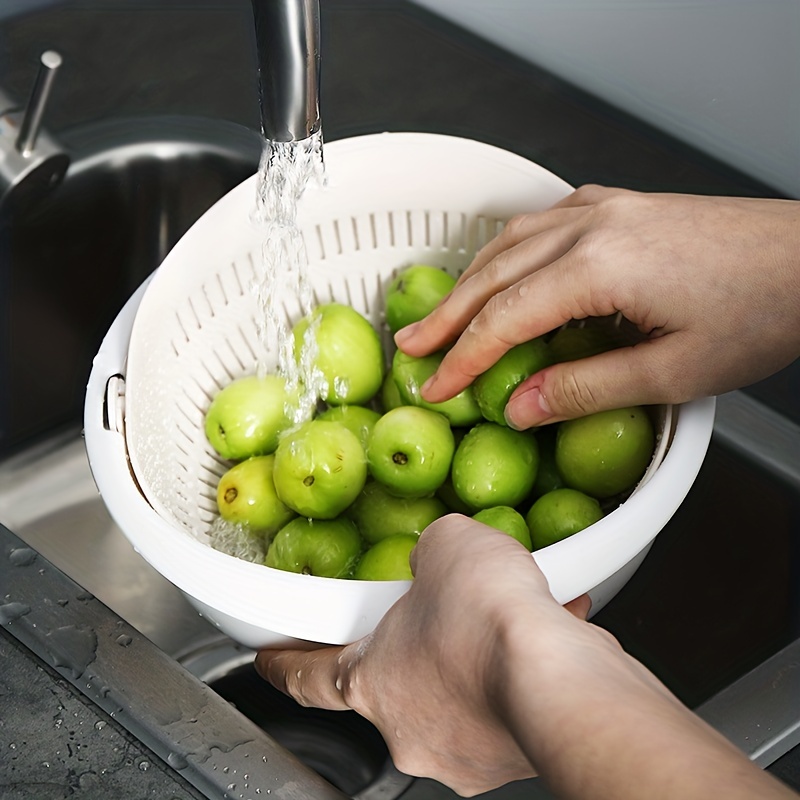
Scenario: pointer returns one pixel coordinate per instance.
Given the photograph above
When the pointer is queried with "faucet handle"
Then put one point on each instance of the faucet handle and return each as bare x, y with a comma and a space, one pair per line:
49, 64
31, 162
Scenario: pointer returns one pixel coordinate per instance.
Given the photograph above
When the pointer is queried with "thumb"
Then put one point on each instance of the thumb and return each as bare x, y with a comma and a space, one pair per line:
311, 677
628, 376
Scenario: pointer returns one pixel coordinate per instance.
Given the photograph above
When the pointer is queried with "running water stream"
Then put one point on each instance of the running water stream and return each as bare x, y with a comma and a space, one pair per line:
285, 171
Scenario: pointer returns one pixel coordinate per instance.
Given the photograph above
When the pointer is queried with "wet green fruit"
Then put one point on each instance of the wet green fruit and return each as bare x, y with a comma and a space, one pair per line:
344, 350
495, 466
410, 373
378, 513
246, 496
411, 450
559, 514
607, 453
320, 468
494, 387
388, 559
414, 293
359, 420
246, 417
325, 548
508, 520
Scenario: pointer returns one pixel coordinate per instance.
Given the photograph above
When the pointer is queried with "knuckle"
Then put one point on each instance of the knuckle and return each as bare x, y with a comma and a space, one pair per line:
514, 229
494, 272
587, 192
488, 324
407, 763
620, 205
418, 761
670, 380
569, 396
352, 697
609, 638
294, 688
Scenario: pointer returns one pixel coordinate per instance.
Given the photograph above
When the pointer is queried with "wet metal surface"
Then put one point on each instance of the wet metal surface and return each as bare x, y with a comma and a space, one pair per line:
189, 727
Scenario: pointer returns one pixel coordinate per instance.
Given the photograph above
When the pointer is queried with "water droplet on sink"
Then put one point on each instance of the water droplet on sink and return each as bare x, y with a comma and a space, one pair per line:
123, 640
72, 648
177, 761
12, 611
22, 556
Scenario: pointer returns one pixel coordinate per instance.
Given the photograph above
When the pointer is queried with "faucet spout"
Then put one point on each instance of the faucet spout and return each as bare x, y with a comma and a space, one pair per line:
287, 45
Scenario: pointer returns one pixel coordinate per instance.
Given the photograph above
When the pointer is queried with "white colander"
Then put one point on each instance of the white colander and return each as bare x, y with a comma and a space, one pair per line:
390, 200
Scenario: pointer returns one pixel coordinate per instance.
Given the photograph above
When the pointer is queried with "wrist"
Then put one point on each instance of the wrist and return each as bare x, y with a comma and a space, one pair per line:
596, 723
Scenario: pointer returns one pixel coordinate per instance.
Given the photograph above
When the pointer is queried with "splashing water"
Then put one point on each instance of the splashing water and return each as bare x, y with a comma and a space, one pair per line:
237, 541
285, 171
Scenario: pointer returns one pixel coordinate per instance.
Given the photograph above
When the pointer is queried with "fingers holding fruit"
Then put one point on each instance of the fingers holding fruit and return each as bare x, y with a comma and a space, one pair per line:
527, 243
709, 280
604, 379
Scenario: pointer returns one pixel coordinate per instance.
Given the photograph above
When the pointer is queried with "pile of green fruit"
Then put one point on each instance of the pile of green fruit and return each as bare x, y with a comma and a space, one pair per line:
347, 493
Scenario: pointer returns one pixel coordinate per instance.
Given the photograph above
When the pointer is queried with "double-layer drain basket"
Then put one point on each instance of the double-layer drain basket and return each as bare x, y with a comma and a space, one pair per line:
390, 200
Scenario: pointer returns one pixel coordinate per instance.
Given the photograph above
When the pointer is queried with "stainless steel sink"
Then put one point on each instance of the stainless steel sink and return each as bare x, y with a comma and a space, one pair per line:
133, 187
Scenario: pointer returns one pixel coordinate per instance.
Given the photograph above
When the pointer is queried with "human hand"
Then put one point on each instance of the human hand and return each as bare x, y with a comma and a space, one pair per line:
426, 677
712, 282
477, 677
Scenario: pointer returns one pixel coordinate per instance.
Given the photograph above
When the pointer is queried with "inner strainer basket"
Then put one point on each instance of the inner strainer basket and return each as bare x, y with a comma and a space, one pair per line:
390, 200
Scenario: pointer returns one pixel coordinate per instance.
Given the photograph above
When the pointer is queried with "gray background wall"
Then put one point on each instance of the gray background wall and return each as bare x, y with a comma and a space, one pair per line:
722, 75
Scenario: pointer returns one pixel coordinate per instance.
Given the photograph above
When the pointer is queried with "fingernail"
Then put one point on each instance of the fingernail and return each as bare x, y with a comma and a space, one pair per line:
261, 663
428, 385
404, 334
528, 409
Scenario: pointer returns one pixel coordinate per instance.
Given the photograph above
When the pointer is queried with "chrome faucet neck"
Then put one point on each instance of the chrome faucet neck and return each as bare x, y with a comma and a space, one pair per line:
287, 43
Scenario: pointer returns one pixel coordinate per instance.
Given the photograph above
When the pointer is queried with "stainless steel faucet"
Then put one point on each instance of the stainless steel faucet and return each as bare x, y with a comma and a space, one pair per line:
31, 162
287, 44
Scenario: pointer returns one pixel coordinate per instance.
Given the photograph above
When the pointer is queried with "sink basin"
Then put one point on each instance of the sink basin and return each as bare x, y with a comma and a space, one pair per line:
133, 188
699, 612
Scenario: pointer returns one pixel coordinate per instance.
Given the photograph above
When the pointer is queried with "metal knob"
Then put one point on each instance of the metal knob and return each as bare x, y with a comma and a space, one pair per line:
287, 44
31, 162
